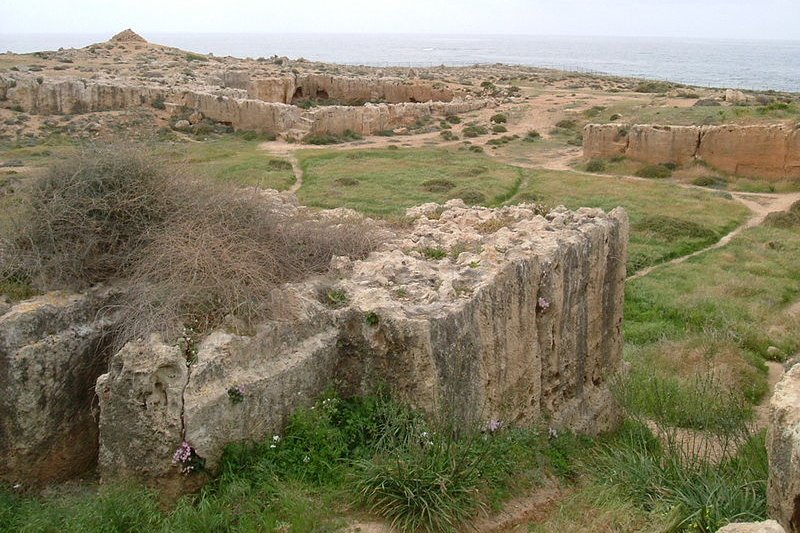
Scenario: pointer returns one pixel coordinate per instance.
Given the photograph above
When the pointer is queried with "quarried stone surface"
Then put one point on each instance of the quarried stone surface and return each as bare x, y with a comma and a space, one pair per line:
783, 447
52, 348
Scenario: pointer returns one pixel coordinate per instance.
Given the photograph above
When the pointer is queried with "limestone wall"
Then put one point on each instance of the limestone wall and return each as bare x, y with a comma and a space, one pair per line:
75, 95
260, 107
345, 89
771, 151
523, 324
783, 448
52, 348
372, 118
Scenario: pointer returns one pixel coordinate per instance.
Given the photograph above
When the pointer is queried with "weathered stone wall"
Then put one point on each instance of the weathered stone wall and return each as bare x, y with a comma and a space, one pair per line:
289, 88
75, 95
372, 118
259, 108
52, 348
522, 323
771, 152
783, 447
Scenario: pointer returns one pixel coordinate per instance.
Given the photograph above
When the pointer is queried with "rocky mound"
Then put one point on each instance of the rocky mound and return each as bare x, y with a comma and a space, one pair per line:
128, 36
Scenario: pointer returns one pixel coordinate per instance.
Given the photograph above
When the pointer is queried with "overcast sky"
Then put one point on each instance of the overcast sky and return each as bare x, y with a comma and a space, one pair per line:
720, 19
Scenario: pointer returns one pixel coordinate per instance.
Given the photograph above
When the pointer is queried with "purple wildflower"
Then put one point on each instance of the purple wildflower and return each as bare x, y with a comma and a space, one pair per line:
544, 304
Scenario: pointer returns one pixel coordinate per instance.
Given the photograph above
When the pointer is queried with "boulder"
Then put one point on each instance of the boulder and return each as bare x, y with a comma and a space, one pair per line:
768, 526
52, 348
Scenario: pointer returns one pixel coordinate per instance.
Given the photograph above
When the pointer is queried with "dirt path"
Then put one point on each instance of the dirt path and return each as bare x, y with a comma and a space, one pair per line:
298, 173
760, 205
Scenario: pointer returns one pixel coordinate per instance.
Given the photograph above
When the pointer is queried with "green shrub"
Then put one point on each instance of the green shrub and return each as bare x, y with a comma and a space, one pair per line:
499, 128
595, 165
453, 119
566, 124
438, 185
653, 87
714, 182
436, 254
615, 117
654, 172
474, 130
532, 136
594, 111
499, 118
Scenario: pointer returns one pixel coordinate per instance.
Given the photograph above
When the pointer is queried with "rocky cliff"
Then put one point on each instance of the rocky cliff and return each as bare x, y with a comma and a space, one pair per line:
771, 152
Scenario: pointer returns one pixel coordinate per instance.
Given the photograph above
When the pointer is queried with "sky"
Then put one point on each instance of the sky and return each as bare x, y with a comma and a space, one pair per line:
717, 19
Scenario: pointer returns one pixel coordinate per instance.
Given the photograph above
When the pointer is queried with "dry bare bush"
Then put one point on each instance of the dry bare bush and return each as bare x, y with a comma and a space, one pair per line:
189, 252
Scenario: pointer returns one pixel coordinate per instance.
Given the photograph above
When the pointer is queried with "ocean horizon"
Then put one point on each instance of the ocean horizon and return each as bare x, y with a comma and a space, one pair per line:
741, 64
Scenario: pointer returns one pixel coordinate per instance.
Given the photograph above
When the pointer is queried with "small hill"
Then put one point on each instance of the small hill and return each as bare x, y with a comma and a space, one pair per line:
128, 36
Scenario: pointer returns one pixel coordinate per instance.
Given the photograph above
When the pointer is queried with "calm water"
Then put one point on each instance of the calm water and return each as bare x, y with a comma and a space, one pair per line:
742, 64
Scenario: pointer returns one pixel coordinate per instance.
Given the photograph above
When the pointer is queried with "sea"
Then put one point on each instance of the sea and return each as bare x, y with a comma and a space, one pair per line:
744, 64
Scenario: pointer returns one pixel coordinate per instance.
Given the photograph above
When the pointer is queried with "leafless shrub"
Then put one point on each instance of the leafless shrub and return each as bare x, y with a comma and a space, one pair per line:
190, 252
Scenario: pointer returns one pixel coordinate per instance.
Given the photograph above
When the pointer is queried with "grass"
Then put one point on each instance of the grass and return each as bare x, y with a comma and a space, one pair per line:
367, 451
738, 293
392, 180
232, 159
666, 221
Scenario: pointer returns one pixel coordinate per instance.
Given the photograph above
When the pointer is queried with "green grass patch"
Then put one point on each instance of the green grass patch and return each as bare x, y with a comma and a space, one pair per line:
393, 180
666, 221
233, 158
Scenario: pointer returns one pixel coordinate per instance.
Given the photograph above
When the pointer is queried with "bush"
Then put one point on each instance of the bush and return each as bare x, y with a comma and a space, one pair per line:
715, 182
532, 136
654, 172
566, 124
499, 128
474, 131
453, 119
653, 87
595, 165
111, 213
499, 118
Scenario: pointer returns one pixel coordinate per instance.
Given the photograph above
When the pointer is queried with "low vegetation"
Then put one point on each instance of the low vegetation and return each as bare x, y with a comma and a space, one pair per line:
111, 213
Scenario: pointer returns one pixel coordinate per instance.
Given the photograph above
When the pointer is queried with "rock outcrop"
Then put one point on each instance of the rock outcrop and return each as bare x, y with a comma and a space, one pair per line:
521, 322
783, 447
771, 152
52, 348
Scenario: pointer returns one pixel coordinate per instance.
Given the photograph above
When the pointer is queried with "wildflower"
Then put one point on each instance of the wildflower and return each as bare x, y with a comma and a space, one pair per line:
276, 438
552, 433
543, 304
306, 459
494, 425
186, 457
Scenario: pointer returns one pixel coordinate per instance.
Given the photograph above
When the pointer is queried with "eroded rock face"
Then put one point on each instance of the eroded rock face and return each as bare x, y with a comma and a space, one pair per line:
771, 152
51, 349
261, 106
520, 321
783, 447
